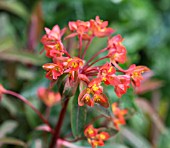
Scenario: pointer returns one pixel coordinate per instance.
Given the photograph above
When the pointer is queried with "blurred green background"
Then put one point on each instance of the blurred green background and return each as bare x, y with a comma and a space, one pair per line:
145, 25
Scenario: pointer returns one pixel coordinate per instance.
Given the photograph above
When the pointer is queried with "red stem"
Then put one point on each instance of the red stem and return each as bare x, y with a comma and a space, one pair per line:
67, 54
80, 46
59, 125
119, 68
87, 45
95, 62
29, 104
94, 56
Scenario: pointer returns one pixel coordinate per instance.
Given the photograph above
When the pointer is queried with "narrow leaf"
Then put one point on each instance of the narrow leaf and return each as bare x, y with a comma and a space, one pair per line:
23, 57
12, 141
7, 127
14, 7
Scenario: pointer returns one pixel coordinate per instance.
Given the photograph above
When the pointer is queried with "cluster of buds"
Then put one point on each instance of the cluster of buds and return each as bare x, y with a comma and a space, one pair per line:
95, 137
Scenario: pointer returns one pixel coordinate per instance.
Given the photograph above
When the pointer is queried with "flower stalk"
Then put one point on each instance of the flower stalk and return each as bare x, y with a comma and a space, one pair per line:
58, 126
30, 105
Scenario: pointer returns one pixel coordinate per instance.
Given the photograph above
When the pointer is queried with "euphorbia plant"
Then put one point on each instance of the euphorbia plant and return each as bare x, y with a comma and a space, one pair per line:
83, 81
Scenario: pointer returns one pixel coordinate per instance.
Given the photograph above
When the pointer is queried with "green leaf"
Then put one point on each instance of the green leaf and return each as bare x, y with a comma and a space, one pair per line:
134, 138
164, 140
32, 118
15, 8
78, 116
115, 145
23, 57
8, 140
102, 110
8, 104
7, 127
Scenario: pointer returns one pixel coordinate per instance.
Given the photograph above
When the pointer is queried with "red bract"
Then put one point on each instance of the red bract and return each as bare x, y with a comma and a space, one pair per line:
135, 73
99, 28
95, 86
94, 143
50, 98
80, 28
95, 137
54, 50
53, 70
101, 99
74, 64
85, 98
52, 42
93, 94
117, 52
107, 73
118, 115
52, 35
124, 84
103, 136
90, 131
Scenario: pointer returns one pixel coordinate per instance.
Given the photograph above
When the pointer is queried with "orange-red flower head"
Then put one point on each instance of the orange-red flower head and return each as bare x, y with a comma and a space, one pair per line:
90, 131
53, 70
117, 52
52, 42
123, 85
135, 73
119, 114
80, 28
95, 137
99, 28
50, 98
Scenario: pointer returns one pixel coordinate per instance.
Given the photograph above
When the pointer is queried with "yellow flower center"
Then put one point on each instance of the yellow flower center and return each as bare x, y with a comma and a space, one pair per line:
74, 64
90, 131
110, 69
87, 98
57, 46
95, 87
104, 78
96, 98
102, 136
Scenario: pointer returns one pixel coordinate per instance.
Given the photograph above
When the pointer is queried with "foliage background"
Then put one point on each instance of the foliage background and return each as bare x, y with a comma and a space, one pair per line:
145, 25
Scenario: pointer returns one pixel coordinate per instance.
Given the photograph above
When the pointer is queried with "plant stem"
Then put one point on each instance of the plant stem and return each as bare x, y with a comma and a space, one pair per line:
94, 56
59, 125
80, 46
95, 62
87, 45
119, 68
29, 104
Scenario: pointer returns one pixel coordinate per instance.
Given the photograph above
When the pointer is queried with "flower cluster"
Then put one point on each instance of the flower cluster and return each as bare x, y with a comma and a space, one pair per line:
84, 74
118, 115
95, 136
